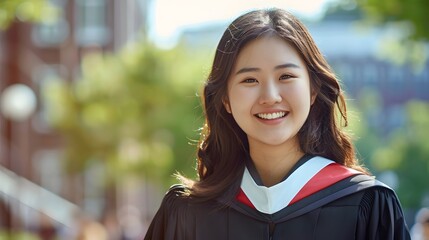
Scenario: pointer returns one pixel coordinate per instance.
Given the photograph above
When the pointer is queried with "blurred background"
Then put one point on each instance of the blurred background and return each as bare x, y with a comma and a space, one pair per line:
100, 103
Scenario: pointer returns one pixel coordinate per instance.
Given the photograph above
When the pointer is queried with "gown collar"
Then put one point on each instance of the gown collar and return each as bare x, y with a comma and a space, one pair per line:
272, 199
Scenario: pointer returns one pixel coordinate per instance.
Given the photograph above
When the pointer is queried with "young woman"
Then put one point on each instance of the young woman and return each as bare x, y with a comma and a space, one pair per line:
273, 161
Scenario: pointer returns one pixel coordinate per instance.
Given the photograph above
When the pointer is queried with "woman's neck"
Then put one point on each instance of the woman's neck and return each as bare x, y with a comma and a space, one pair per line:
273, 163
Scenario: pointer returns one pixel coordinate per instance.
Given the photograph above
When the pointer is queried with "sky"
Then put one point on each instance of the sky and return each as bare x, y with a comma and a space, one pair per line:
171, 16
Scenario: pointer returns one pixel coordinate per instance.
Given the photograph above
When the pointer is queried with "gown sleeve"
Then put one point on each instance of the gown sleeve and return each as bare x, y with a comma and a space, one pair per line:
166, 225
381, 216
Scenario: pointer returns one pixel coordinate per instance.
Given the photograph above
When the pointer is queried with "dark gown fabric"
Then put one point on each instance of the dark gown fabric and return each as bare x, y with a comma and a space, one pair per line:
371, 211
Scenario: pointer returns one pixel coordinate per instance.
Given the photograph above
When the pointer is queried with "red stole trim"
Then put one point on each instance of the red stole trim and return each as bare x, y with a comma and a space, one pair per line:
241, 197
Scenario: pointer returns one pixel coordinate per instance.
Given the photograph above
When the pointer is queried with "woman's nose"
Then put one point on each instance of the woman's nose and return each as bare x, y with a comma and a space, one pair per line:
270, 94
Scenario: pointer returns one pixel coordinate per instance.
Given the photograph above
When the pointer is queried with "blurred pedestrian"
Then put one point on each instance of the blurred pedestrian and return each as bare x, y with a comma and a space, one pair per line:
111, 223
91, 230
84, 228
420, 229
274, 161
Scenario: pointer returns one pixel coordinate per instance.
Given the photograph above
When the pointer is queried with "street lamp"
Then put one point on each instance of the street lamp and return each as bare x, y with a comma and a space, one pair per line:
18, 102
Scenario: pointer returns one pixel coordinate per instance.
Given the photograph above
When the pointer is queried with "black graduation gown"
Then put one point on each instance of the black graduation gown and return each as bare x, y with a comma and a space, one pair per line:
357, 207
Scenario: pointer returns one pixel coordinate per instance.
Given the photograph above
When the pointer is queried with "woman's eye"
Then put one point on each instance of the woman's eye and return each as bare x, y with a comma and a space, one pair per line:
249, 80
285, 77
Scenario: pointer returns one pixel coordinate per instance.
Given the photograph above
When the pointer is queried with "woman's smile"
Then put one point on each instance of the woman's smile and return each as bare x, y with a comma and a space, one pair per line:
272, 116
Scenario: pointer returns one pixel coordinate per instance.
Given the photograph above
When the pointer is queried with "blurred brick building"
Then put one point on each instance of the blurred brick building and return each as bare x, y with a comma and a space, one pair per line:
32, 54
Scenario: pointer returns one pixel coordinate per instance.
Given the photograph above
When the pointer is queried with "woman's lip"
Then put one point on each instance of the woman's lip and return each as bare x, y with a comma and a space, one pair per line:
272, 111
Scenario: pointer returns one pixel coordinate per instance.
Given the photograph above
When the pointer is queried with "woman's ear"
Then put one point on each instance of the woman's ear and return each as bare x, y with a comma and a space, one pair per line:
313, 97
226, 104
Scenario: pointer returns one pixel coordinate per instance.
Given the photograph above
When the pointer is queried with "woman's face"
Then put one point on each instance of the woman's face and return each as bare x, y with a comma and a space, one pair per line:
269, 92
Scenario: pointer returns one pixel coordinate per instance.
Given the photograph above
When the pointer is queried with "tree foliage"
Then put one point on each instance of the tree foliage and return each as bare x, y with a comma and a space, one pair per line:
405, 24
401, 154
25, 10
134, 111
406, 153
408, 17
414, 12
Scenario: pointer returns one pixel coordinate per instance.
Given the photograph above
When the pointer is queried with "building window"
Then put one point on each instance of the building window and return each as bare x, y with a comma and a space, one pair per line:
91, 22
422, 83
43, 76
94, 201
370, 73
48, 165
396, 80
52, 34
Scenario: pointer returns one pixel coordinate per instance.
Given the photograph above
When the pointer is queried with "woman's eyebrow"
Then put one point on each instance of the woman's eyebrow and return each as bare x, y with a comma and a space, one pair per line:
287, 65
254, 69
248, 69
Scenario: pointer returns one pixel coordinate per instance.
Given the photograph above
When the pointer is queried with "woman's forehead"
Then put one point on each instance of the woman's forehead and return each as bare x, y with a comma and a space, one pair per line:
267, 51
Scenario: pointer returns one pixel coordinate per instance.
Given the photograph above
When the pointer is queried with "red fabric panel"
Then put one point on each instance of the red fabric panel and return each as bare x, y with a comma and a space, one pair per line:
326, 177
241, 197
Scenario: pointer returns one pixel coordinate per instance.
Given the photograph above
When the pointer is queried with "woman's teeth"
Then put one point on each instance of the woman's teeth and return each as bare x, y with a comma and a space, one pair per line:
270, 116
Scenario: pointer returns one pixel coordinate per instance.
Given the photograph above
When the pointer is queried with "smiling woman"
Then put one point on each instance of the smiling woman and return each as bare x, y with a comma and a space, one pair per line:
273, 160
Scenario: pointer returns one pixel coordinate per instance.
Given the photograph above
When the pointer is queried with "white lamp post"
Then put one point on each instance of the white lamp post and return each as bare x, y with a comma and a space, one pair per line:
18, 102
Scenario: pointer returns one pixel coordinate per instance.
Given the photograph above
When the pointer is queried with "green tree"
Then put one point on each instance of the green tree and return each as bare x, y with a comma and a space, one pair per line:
25, 10
365, 135
413, 12
411, 18
134, 111
403, 151
406, 153
406, 23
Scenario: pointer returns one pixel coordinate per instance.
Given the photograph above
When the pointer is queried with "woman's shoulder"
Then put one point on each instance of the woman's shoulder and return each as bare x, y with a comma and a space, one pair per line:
361, 190
178, 190
171, 213
177, 195
378, 196
381, 214
373, 191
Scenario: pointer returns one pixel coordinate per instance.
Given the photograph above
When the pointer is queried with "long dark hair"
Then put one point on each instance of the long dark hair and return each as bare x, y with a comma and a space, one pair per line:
223, 146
